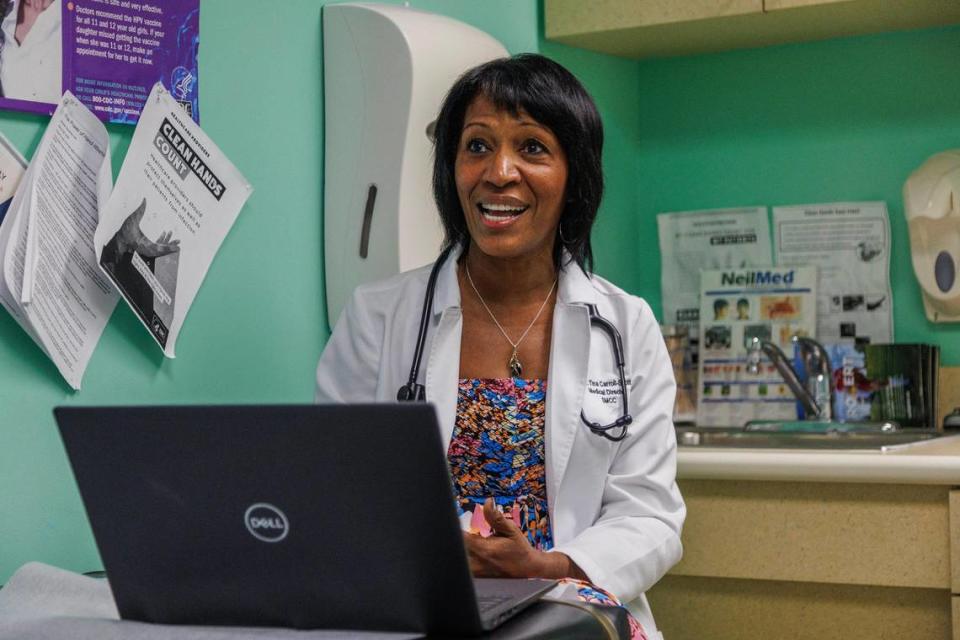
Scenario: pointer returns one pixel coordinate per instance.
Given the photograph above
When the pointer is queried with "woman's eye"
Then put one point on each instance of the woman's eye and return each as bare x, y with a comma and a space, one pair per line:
476, 146
533, 147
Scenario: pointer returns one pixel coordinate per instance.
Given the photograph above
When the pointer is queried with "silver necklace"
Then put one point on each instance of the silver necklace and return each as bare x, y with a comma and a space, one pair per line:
516, 369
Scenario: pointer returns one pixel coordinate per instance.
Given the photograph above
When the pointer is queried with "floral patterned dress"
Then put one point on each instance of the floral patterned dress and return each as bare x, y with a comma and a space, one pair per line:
497, 450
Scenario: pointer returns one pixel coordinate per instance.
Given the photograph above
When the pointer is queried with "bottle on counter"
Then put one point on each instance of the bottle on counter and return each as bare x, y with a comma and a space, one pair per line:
677, 339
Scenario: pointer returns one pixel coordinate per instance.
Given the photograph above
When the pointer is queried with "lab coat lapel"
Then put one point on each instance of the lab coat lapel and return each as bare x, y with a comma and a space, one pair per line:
443, 370
443, 365
567, 378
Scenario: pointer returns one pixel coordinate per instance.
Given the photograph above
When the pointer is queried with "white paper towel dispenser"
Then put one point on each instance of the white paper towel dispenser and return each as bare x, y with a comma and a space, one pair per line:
931, 204
386, 71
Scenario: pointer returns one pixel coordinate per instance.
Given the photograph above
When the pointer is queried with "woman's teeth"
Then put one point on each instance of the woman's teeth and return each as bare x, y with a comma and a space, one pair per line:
500, 212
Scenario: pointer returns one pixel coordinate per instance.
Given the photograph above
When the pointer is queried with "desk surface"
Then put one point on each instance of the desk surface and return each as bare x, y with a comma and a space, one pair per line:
41, 601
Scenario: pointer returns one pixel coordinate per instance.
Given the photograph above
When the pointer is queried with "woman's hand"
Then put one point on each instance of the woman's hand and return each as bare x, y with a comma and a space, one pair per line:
508, 554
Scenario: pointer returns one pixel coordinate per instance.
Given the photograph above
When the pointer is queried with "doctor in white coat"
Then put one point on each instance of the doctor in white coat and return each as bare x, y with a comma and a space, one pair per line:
518, 181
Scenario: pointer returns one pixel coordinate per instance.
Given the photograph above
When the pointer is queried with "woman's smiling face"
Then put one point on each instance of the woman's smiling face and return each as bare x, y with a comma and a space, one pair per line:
511, 175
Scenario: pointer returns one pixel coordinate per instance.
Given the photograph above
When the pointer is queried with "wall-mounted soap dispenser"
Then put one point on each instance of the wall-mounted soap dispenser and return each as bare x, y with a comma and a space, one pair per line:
386, 71
931, 201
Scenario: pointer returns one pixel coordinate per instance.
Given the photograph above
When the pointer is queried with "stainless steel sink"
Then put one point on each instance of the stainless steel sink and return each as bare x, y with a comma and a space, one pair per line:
820, 426
837, 437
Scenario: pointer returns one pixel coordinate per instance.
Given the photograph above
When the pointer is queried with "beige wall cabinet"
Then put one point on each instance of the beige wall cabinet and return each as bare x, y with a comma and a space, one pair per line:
814, 560
661, 28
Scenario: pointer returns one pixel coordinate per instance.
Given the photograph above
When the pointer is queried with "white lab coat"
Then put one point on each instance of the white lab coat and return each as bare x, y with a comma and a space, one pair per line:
615, 508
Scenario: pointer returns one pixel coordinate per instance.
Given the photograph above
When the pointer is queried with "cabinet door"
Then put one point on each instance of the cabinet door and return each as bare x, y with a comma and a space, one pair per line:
774, 5
568, 17
799, 20
657, 28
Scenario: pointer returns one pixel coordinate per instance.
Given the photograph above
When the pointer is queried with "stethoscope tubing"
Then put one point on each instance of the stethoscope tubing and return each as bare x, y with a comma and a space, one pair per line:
412, 391
617, 345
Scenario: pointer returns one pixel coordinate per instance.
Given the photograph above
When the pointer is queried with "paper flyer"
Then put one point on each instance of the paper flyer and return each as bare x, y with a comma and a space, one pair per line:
108, 53
736, 305
710, 239
49, 281
850, 243
175, 200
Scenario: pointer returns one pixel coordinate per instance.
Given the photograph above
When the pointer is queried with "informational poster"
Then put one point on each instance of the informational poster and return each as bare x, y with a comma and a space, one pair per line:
736, 305
175, 199
711, 239
108, 53
850, 244
49, 280
695, 240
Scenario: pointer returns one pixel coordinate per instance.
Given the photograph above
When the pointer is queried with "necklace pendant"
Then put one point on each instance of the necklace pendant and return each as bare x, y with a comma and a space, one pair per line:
516, 369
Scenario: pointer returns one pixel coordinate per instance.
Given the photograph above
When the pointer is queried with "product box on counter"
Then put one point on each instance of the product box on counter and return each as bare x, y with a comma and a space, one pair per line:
877, 382
852, 392
904, 380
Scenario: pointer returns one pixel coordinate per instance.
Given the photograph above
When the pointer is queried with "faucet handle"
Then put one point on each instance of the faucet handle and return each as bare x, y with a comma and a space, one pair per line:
783, 367
819, 374
754, 348
814, 355
821, 387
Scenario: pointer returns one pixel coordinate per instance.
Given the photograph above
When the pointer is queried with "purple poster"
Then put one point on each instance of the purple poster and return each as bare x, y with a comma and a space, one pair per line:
108, 53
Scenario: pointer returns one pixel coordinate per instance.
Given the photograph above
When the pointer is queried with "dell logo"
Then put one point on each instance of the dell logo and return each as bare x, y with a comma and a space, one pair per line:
265, 522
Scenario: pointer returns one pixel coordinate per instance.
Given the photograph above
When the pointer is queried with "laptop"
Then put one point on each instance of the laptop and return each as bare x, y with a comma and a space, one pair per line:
308, 516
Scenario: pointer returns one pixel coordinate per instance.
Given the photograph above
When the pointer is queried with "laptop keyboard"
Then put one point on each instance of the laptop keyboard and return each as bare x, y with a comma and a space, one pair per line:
488, 602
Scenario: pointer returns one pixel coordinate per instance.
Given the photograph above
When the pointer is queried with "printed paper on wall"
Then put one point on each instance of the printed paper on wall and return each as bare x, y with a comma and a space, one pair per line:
108, 53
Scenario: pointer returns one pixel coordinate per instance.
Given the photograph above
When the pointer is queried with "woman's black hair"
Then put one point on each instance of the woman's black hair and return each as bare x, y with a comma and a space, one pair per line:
552, 96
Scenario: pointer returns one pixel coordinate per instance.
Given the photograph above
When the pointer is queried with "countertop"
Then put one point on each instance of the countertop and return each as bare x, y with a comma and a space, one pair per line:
934, 461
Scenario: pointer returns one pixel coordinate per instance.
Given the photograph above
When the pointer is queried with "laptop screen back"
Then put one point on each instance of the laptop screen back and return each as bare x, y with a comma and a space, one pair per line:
314, 516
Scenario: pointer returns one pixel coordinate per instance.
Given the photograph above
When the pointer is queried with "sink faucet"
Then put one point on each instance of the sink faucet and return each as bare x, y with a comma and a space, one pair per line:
817, 396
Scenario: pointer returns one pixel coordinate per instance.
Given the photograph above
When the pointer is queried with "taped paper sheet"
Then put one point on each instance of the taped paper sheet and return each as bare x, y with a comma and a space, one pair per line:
176, 198
711, 239
850, 244
50, 282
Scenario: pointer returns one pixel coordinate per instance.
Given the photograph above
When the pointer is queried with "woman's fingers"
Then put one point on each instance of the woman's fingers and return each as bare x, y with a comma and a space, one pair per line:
500, 524
506, 553
475, 555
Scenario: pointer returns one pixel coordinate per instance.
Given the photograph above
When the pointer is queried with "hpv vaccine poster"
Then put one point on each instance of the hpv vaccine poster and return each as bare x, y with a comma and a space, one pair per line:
107, 53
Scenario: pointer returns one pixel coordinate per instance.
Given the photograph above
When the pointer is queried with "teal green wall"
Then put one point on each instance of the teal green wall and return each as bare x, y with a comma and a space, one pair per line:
825, 121
258, 323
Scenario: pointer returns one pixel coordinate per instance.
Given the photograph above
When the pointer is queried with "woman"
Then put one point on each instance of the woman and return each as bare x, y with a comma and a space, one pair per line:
510, 356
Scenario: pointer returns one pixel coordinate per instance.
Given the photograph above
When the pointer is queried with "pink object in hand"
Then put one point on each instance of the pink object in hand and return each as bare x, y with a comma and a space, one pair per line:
479, 524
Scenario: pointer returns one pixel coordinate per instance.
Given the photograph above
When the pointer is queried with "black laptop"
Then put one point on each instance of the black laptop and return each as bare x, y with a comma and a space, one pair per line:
313, 516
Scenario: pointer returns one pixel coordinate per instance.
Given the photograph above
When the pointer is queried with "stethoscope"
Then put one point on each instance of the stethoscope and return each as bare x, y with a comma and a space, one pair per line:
415, 392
